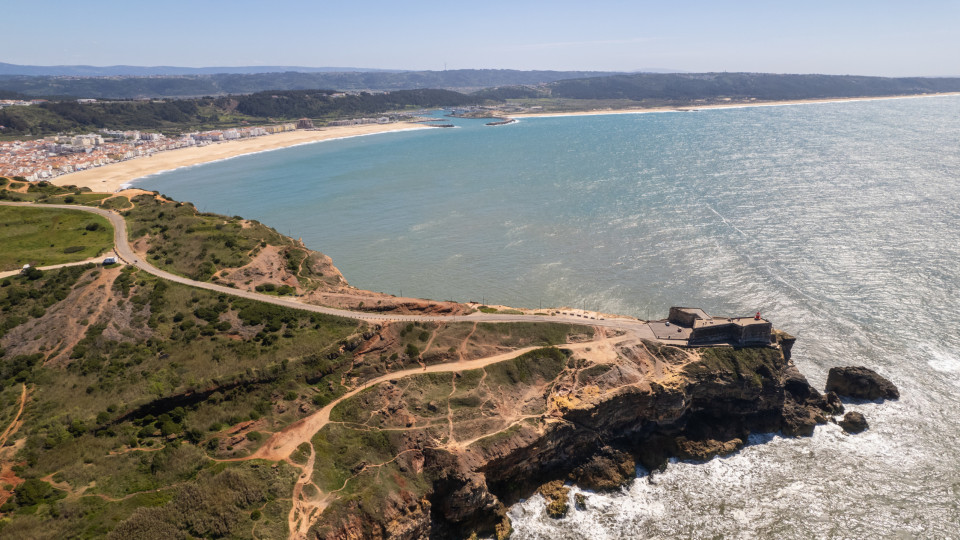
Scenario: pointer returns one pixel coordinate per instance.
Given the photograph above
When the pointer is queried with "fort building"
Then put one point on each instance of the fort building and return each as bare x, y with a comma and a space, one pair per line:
694, 327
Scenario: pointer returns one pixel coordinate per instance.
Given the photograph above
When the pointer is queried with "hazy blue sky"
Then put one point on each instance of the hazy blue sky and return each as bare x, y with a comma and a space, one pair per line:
850, 37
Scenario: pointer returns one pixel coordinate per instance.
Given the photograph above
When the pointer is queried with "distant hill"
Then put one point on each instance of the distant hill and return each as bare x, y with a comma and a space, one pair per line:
684, 87
179, 115
151, 71
247, 83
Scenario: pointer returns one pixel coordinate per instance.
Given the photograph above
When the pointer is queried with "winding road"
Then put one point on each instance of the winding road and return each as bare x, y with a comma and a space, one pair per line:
282, 444
126, 254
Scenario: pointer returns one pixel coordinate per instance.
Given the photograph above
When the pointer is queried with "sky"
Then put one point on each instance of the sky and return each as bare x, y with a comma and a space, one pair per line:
888, 38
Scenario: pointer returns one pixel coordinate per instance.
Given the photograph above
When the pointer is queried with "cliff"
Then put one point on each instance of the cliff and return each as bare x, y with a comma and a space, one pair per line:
588, 416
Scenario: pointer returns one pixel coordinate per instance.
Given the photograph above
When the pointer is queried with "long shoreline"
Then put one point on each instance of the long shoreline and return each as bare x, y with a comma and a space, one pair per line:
730, 105
117, 176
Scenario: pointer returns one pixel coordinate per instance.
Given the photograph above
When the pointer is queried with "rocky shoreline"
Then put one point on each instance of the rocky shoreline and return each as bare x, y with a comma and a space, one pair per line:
614, 423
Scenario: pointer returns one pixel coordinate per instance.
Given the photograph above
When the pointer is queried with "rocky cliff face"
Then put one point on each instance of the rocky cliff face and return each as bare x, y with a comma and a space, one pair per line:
702, 403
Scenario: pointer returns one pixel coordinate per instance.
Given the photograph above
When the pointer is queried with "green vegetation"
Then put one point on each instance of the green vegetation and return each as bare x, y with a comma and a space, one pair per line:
136, 397
685, 87
222, 502
40, 236
527, 334
488, 309
28, 297
147, 384
544, 364
118, 202
261, 98
181, 115
228, 83
198, 245
369, 456
65, 116
755, 366
42, 192
323, 104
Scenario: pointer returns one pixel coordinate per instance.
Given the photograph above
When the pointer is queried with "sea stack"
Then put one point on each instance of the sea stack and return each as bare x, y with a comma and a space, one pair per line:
860, 383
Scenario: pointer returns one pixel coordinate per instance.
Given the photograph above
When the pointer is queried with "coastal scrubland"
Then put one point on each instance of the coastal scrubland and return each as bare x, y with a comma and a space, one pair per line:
136, 408
156, 409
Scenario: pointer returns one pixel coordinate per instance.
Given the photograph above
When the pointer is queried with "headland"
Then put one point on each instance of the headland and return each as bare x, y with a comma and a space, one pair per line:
381, 420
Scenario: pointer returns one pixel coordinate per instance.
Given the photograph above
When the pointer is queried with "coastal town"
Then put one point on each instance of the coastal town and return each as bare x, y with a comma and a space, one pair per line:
50, 157
43, 159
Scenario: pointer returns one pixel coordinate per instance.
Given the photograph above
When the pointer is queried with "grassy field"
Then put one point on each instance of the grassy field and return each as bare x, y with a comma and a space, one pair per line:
44, 236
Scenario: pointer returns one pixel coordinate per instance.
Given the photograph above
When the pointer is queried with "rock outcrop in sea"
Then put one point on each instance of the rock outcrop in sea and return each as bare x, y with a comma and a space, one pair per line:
854, 422
860, 383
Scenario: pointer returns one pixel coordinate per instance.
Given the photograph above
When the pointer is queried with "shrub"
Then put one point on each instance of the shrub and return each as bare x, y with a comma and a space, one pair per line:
33, 491
33, 273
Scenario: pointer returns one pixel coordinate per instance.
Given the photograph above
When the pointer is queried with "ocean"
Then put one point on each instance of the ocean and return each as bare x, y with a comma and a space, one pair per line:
840, 222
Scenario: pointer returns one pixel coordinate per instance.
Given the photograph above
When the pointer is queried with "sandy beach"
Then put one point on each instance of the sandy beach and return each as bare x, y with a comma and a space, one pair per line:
730, 105
114, 176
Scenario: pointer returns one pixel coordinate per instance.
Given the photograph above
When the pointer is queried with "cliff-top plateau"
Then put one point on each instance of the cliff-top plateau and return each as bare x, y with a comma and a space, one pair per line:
229, 401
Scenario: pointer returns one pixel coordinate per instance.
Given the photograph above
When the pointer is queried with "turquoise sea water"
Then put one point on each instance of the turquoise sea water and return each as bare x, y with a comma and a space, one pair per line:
839, 221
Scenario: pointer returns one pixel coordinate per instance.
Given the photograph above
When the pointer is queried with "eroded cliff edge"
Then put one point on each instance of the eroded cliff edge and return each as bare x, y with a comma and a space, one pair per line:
453, 450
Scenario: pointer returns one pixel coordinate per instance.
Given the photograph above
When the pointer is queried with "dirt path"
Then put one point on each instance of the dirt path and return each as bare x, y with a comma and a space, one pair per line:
283, 443
8, 477
433, 336
15, 423
463, 346
95, 260
453, 390
304, 508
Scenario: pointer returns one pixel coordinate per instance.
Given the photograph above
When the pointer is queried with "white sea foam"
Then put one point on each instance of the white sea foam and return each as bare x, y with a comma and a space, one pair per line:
941, 360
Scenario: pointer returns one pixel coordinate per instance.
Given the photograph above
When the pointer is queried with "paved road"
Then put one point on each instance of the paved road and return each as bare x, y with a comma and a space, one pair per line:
126, 254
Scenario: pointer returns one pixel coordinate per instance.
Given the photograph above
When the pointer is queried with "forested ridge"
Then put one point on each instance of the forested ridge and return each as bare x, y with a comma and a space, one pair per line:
638, 90
234, 83
327, 103
176, 116
761, 86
